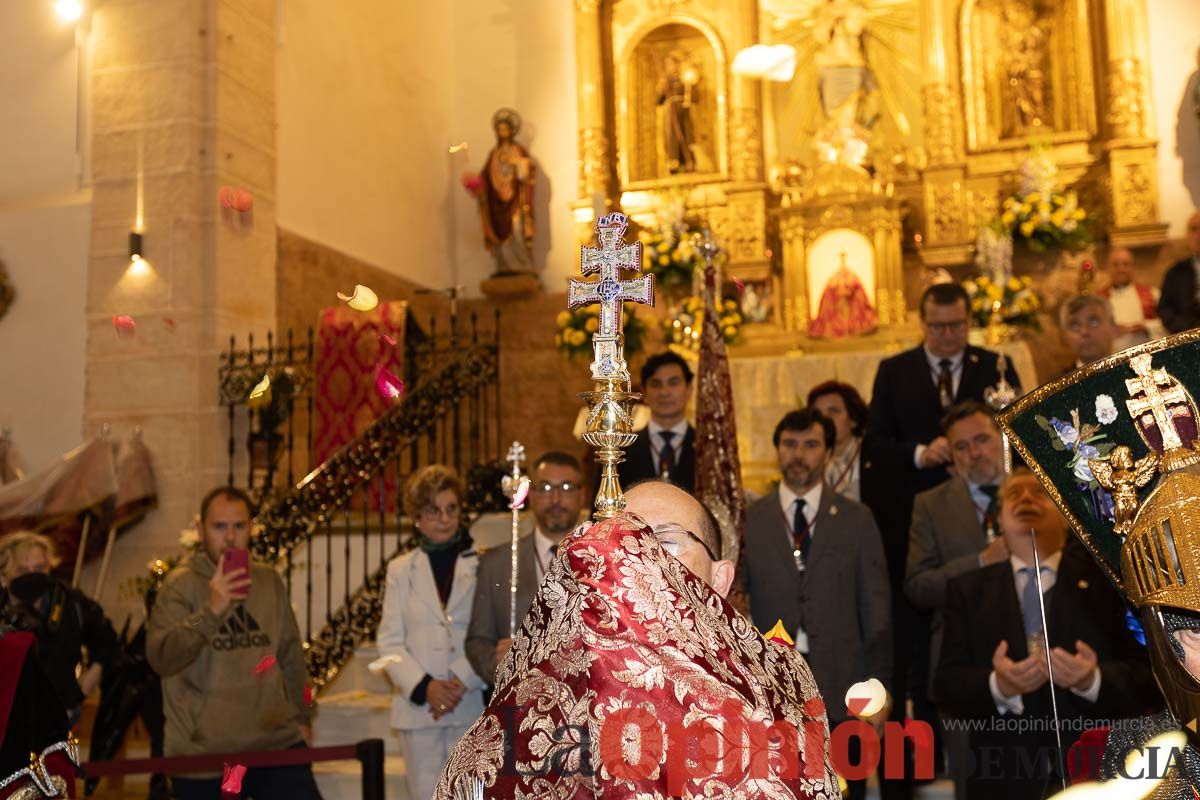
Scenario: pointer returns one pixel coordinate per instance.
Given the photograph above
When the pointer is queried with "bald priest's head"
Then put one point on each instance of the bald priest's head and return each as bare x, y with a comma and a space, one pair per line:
684, 528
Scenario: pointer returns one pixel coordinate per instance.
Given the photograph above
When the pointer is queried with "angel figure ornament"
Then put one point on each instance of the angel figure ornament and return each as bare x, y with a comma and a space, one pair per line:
1121, 475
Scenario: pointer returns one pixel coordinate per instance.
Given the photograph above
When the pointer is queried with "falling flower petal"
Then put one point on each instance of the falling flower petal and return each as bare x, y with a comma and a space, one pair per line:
260, 395
124, 324
390, 387
363, 298
389, 339
308, 698
231, 783
225, 196
381, 664
170, 323
264, 665
522, 492
740, 284
868, 697
779, 635
243, 201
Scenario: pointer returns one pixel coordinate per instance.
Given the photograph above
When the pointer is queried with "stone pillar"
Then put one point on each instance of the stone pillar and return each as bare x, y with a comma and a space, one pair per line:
947, 230
594, 163
1129, 129
183, 100
745, 129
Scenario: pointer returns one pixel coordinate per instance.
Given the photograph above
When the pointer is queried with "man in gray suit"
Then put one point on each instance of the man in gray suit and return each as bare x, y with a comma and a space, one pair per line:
814, 560
954, 531
556, 497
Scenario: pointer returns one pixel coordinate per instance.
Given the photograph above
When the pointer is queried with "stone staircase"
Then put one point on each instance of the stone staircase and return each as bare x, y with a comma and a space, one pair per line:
357, 706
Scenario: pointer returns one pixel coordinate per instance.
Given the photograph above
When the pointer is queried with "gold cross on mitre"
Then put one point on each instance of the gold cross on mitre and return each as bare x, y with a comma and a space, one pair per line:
610, 292
1156, 399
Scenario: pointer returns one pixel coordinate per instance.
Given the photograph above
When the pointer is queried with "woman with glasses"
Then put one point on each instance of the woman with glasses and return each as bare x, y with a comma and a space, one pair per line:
426, 608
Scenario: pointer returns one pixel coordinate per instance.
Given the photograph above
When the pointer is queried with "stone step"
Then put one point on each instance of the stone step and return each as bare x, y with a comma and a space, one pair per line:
353, 716
342, 780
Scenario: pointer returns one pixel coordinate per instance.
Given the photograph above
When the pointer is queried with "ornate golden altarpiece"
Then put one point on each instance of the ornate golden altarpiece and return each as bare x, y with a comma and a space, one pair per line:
946, 98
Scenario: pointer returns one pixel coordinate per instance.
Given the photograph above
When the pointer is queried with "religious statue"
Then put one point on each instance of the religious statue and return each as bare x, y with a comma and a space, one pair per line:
505, 192
846, 84
1123, 476
844, 309
1023, 45
676, 95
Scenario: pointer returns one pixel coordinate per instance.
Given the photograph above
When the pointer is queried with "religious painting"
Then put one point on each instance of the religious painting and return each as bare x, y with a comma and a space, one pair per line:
841, 275
672, 106
855, 94
1026, 70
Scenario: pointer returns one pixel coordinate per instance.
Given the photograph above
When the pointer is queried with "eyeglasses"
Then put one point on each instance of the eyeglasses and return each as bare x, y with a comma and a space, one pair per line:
566, 487
433, 512
674, 546
957, 326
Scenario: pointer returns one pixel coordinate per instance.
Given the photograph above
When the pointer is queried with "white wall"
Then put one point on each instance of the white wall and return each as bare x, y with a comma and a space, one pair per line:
1175, 73
369, 101
44, 229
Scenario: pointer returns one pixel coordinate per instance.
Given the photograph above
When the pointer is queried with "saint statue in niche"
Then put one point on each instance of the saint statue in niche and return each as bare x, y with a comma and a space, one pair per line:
505, 193
844, 309
676, 94
1024, 45
847, 87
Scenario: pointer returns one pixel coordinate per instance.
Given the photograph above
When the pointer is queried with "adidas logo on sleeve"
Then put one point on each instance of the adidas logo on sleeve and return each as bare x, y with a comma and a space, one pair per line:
240, 630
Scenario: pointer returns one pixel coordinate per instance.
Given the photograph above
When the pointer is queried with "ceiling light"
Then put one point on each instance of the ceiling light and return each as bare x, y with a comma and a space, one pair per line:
69, 10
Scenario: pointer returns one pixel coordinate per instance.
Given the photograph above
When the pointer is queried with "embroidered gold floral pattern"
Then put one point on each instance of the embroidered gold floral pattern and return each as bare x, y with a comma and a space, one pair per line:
619, 632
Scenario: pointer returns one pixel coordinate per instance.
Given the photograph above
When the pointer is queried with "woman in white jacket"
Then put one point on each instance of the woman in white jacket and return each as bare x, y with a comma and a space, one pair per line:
426, 608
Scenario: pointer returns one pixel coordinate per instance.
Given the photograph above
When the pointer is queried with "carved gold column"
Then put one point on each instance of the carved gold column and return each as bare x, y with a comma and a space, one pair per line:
948, 236
589, 69
794, 295
745, 116
1129, 131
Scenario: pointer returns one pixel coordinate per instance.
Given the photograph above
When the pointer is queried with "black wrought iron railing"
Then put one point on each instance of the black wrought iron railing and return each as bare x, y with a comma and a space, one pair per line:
334, 530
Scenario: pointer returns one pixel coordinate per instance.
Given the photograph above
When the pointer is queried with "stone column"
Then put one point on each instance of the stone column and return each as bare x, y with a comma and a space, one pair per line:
1129, 129
183, 103
947, 234
594, 166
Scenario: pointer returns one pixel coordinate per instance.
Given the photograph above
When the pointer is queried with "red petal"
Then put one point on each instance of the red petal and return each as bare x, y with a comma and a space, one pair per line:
308, 698
231, 782
264, 665
740, 284
123, 323
389, 339
388, 385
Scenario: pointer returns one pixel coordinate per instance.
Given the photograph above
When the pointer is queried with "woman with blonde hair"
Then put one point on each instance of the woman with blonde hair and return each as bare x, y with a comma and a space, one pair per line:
426, 608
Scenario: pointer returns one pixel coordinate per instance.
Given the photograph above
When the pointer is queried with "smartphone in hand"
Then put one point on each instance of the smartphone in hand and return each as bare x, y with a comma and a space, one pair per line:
234, 559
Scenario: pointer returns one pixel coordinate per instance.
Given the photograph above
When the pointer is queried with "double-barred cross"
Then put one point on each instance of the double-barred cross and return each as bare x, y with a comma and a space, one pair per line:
610, 291
1159, 390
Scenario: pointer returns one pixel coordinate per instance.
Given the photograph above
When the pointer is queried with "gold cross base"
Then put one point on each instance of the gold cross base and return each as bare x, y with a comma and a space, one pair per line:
610, 430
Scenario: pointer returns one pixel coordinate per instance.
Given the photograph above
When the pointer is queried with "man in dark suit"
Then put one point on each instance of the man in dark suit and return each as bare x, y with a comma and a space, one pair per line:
557, 498
993, 661
912, 391
666, 448
814, 561
1178, 307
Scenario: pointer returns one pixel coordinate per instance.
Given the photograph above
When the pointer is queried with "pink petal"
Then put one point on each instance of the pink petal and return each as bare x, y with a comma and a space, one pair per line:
522, 492
225, 196
389, 339
740, 284
308, 698
124, 324
231, 782
264, 665
389, 386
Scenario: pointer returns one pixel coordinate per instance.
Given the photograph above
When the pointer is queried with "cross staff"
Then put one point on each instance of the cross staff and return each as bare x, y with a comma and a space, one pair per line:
998, 398
610, 292
515, 486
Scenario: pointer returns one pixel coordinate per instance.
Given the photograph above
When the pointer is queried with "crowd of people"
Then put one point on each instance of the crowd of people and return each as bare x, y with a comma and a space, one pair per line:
895, 546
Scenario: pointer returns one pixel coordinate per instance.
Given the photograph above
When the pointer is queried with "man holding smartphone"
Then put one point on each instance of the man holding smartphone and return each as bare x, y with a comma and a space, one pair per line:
223, 637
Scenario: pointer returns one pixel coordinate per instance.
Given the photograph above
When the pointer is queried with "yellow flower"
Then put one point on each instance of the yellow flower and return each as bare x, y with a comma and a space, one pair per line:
578, 337
1058, 218
1008, 218
730, 331
1027, 228
1044, 209
562, 319
730, 305
995, 293
970, 287
1025, 209
1079, 214
663, 247
1013, 285
592, 325
664, 260
1032, 197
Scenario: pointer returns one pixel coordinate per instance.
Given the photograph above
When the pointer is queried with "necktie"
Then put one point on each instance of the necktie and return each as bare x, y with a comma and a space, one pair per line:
666, 456
800, 531
945, 383
989, 513
1031, 610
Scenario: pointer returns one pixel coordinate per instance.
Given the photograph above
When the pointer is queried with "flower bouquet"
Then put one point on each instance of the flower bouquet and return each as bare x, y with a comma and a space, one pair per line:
1042, 212
670, 258
1014, 302
687, 325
